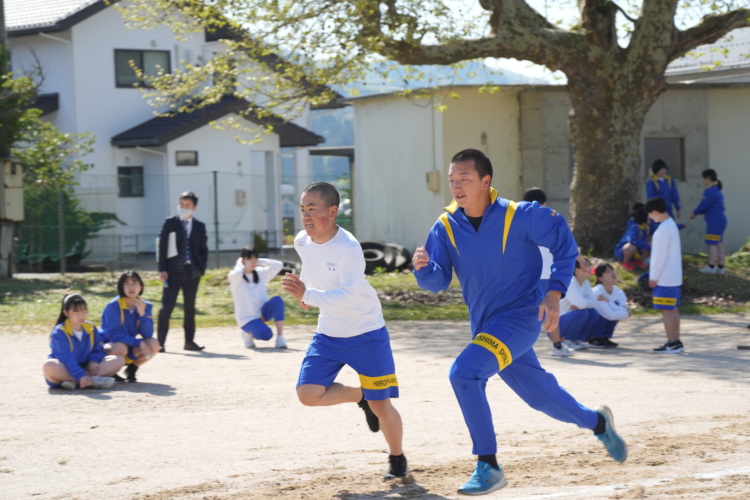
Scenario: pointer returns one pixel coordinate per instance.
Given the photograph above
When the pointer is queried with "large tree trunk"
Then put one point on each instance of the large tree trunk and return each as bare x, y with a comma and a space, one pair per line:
609, 107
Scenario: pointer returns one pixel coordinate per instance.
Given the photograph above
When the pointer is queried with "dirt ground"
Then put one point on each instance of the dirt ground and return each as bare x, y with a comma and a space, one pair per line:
226, 423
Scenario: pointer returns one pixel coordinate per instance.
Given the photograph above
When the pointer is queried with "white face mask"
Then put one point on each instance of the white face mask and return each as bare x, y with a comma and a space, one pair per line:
185, 213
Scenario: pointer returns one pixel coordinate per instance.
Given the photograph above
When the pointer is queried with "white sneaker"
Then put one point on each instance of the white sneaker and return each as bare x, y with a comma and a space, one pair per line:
707, 270
247, 338
574, 344
563, 350
69, 385
280, 342
719, 270
102, 382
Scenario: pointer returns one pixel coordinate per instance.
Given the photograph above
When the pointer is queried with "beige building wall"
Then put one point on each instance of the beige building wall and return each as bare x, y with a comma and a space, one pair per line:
488, 122
729, 155
398, 143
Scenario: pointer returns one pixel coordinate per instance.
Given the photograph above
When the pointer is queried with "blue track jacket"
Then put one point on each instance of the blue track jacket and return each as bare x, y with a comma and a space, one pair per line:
637, 235
665, 188
119, 324
73, 352
499, 265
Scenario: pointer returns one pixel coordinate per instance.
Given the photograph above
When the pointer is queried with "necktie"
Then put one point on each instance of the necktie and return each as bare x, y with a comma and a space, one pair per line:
186, 244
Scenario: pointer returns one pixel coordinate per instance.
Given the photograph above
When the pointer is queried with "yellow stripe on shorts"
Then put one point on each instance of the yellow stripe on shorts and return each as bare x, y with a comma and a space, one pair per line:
500, 350
713, 237
376, 383
665, 301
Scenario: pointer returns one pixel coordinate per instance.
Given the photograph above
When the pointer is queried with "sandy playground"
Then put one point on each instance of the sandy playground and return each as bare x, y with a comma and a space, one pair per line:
226, 424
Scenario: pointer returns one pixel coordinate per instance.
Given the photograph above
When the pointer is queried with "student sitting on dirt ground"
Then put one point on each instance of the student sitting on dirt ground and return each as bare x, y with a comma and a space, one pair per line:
78, 358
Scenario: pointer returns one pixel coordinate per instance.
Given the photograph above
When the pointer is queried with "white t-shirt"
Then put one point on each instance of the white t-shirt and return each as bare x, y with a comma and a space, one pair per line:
334, 275
616, 306
666, 255
547, 261
579, 295
249, 297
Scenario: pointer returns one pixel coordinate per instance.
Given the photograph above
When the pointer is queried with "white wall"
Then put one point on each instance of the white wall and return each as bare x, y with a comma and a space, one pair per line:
397, 143
488, 122
729, 155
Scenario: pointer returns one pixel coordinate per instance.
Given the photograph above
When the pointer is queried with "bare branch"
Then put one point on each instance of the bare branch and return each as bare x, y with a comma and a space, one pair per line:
519, 32
708, 31
625, 14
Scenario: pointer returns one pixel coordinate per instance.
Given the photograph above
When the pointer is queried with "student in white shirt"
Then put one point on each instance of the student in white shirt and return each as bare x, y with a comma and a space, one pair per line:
351, 329
615, 307
665, 273
252, 308
580, 321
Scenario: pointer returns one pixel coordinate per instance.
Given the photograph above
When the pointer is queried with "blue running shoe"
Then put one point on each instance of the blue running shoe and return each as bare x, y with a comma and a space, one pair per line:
485, 479
614, 444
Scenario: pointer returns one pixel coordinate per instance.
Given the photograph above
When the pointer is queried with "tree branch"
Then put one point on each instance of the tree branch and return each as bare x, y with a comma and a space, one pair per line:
519, 32
708, 31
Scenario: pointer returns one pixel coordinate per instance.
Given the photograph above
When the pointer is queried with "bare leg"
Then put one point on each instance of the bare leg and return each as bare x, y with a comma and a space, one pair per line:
713, 253
55, 371
628, 251
145, 355
318, 395
671, 319
390, 424
110, 365
554, 335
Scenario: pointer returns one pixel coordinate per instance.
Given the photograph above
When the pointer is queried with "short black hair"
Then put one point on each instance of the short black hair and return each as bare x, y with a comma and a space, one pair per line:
602, 268
535, 194
656, 204
189, 195
482, 164
658, 165
327, 193
248, 252
124, 277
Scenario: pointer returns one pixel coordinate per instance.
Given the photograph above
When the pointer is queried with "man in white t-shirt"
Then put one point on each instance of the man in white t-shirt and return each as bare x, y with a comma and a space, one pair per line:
665, 273
351, 329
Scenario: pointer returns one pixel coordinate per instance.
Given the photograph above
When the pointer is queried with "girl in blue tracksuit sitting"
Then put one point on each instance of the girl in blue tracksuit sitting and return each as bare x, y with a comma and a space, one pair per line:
634, 247
712, 206
78, 358
128, 325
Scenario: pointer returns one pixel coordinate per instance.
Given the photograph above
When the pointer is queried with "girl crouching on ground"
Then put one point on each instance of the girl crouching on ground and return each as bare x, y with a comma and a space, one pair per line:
252, 308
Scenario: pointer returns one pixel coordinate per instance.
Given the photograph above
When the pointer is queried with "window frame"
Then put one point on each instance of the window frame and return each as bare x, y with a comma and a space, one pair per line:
181, 163
125, 182
139, 63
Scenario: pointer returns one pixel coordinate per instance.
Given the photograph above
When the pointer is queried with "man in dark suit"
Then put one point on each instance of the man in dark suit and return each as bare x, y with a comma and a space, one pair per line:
181, 266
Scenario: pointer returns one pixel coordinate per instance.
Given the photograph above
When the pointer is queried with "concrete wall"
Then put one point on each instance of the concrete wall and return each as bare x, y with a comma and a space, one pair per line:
488, 122
398, 141
729, 155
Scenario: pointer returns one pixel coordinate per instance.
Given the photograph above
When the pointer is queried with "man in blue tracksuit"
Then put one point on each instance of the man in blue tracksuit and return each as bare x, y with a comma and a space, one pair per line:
492, 244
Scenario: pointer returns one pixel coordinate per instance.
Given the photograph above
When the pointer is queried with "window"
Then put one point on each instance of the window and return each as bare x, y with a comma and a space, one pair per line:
669, 149
130, 182
148, 61
187, 158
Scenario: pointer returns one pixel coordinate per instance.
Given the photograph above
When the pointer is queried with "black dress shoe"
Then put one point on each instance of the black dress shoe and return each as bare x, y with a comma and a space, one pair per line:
194, 347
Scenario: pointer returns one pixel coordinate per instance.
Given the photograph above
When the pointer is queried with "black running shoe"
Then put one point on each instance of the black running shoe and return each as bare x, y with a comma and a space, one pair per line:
372, 420
118, 378
130, 372
396, 466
